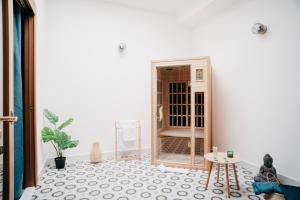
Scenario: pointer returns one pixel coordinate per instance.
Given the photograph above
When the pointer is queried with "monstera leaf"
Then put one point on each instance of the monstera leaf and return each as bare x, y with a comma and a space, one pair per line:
72, 143
65, 124
47, 134
52, 118
66, 142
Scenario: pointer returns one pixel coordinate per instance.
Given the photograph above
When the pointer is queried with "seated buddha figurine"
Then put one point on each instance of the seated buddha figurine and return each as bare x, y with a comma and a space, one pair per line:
267, 173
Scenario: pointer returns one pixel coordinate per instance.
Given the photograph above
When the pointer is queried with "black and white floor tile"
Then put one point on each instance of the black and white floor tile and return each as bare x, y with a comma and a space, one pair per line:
136, 180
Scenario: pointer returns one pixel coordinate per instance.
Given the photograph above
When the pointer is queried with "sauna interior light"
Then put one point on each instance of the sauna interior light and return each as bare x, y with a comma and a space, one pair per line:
259, 28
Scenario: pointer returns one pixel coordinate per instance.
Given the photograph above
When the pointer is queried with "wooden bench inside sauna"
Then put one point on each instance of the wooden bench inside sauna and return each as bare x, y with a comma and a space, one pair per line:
181, 112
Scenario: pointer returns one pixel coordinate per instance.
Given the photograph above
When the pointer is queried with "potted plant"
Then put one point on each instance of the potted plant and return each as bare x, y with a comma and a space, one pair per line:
59, 139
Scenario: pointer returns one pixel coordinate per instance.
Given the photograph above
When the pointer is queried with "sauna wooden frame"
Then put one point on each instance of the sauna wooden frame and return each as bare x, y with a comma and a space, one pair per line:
197, 85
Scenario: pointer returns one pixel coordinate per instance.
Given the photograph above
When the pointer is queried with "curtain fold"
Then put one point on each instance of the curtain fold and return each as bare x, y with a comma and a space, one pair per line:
18, 106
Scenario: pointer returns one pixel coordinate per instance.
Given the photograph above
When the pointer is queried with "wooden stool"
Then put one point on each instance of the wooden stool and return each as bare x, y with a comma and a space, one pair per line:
221, 158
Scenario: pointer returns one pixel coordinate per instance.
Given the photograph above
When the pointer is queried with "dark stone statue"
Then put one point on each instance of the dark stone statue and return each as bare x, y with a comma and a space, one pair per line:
267, 173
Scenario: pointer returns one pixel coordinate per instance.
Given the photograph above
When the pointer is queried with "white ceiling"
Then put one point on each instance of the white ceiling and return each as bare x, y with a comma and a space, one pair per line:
188, 12
171, 7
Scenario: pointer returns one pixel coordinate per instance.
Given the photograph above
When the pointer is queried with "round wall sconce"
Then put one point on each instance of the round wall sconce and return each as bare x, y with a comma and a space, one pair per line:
122, 46
259, 28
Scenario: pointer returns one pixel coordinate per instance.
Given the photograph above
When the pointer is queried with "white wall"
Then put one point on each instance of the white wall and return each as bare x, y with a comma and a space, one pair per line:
256, 80
81, 74
40, 22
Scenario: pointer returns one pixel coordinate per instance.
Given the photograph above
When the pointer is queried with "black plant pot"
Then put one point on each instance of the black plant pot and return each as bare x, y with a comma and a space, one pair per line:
60, 162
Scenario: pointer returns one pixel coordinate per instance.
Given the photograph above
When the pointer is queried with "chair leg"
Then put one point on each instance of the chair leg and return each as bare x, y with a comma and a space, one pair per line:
209, 172
227, 180
236, 177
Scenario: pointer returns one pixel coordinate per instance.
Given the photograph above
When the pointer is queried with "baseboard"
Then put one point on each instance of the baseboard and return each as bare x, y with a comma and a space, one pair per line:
283, 179
105, 155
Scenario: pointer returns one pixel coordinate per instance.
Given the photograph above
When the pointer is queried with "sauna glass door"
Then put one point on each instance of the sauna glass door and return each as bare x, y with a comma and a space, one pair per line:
176, 139
159, 114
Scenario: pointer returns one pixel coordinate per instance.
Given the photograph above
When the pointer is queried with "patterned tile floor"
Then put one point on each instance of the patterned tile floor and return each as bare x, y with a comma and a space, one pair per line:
136, 180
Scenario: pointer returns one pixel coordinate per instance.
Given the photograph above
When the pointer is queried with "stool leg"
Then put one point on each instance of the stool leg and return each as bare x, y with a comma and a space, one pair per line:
227, 180
236, 177
218, 175
209, 172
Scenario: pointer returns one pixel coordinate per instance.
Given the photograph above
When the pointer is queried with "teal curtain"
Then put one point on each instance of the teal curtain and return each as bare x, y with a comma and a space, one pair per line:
18, 105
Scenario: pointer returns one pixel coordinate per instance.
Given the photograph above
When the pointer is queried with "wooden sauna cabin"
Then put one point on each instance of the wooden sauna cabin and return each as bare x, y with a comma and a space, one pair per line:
181, 112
